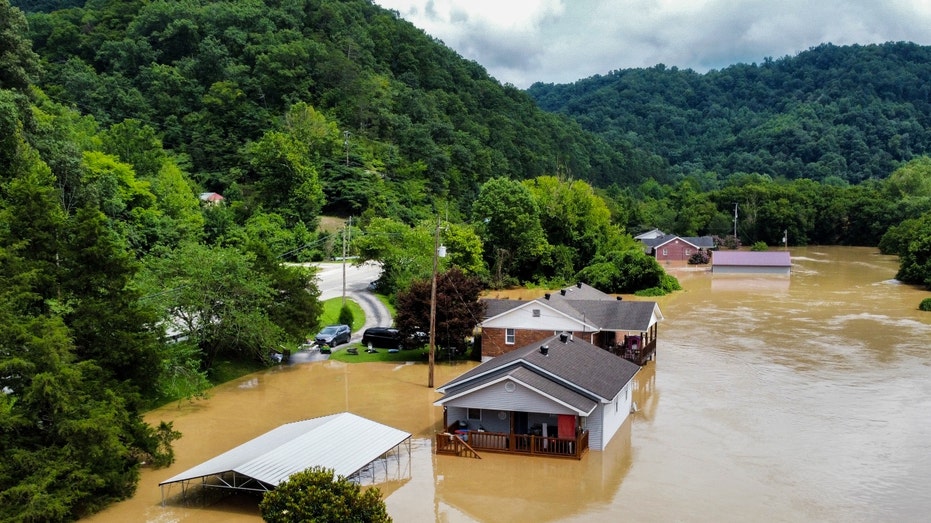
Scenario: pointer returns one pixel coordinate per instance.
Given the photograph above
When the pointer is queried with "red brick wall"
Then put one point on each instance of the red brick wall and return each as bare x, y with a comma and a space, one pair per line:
493, 339
675, 251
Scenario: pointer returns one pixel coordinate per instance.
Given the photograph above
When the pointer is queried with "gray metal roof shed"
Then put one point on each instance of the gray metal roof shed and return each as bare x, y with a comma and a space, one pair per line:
343, 442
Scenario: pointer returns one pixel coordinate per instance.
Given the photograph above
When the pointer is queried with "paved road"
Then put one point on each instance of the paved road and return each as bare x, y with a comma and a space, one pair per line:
330, 283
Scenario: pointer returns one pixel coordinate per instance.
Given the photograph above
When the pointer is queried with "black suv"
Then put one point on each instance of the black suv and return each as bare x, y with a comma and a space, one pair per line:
384, 337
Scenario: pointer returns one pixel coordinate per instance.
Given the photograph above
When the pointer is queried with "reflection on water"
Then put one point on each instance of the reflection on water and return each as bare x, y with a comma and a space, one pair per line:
805, 398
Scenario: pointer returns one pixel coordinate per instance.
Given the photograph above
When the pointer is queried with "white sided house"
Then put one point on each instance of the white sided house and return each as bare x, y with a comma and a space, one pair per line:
557, 398
627, 328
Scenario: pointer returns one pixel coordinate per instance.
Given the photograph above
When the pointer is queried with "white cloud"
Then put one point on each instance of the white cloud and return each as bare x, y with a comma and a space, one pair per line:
523, 41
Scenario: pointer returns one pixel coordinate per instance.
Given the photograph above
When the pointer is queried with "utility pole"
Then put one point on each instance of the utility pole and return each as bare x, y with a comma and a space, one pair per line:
347, 232
735, 220
436, 255
346, 135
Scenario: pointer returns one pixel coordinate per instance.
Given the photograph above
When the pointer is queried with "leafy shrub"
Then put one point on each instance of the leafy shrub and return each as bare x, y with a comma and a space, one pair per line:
668, 283
345, 316
759, 246
699, 258
317, 494
730, 241
925, 304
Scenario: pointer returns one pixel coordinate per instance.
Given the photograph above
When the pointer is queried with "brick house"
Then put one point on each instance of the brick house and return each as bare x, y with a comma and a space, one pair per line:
669, 247
627, 328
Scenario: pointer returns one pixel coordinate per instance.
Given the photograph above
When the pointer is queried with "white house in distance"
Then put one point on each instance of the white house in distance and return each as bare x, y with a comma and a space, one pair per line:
557, 397
751, 262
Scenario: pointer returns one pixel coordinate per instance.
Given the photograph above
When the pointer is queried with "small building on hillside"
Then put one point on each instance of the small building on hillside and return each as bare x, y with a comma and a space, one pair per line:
558, 397
751, 262
211, 198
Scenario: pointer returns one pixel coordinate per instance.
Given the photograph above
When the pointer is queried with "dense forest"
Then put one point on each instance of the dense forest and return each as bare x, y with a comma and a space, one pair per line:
123, 290
403, 119
829, 114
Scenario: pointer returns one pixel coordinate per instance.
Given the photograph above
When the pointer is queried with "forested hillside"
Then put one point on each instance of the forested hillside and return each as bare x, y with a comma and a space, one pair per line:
401, 120
831, 113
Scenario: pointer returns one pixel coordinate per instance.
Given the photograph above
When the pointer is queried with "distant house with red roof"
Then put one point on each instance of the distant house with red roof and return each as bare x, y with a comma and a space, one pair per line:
751, 262
211, 198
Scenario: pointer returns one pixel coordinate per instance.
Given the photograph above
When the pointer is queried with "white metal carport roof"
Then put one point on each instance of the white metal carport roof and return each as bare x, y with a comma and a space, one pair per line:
343, 442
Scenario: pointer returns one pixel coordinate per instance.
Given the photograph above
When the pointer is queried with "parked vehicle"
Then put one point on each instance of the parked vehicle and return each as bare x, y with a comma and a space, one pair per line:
384, 337
333, 335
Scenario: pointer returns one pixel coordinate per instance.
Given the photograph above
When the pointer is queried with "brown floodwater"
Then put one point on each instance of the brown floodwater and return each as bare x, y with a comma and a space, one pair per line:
777, 398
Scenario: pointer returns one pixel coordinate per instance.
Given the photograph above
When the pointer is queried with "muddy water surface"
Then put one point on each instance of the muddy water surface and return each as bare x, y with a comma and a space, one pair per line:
800, 398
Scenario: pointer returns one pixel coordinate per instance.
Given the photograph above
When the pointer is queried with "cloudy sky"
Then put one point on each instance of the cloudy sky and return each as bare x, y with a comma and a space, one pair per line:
560, 41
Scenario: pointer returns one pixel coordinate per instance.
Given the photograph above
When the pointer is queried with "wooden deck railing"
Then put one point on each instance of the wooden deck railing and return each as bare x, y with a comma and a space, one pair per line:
516, 444
640, 356
452, 444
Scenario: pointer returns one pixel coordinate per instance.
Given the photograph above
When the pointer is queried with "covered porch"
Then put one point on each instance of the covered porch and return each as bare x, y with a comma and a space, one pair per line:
512, 432
636, 347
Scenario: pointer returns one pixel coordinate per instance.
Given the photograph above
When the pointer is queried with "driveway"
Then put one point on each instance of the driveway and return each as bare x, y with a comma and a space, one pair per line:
331, 284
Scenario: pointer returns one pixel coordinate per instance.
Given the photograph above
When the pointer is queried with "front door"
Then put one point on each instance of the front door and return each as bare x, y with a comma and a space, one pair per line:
520, 423
566, 426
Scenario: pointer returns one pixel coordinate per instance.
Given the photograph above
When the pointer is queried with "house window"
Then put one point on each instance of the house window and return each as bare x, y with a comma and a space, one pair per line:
475, 414
688, 251
536, 313
664, 252
509, 336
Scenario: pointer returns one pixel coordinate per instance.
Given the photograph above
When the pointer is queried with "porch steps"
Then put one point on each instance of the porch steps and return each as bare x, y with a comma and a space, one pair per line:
453, 445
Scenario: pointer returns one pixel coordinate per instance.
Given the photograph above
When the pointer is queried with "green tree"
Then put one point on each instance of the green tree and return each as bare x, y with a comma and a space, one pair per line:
508, 220
626, 272
215, 296
915, 261
318, 495
286, 163
17, 60
111, 325
458, 309
911, 180
405, 253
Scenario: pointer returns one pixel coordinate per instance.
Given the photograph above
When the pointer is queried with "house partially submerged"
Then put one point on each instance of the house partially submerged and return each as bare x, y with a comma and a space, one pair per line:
625, 327
669, 247
557, 397
751, 262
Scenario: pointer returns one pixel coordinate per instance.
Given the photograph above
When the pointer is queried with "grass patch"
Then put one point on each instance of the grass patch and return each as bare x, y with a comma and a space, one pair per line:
330, 314
381, 355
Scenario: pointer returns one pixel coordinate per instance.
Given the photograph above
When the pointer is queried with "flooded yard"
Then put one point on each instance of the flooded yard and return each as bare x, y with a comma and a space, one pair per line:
793, 398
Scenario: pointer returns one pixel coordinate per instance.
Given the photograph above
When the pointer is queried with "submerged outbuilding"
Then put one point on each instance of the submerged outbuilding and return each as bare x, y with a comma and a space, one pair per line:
345, 443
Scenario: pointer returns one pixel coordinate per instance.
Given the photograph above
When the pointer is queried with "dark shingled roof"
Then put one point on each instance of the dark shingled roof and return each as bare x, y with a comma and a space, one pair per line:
494, 306
702, 242
611, 315
575, 365
590, 306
